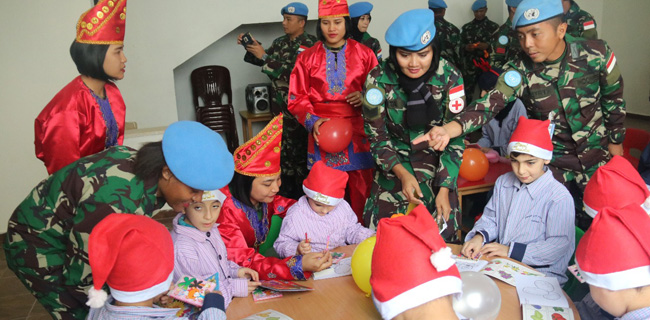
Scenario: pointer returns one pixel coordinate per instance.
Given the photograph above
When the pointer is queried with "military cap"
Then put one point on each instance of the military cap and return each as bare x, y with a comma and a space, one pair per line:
295, 8
412, 30
513, 3
536, 11
435, 4
478, 4
360, 8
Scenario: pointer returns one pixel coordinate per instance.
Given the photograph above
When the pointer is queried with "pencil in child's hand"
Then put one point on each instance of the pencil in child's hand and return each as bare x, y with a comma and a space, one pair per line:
306, 238
327, 245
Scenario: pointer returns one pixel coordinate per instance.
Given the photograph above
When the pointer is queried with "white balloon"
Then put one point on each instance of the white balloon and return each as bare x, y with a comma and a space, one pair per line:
481, 298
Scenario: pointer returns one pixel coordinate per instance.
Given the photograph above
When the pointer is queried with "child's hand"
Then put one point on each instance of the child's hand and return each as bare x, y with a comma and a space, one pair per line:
248, 273
252, 285
495, 250
472, 248
165, 300
303, 248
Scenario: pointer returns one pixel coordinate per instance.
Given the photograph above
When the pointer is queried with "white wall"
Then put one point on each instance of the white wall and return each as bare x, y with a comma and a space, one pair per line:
164, 35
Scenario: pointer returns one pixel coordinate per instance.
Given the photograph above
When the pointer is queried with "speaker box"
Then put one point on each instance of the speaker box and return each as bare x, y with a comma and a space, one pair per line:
258, 98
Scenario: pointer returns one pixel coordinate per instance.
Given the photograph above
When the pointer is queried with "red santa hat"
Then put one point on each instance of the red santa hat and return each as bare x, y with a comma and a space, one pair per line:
532, 137
103, 24
325, 185
614, 253
260, 156
616, 184
411, 264
133, 254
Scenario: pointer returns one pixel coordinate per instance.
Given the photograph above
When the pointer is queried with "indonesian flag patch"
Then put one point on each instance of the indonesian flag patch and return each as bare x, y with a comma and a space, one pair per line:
589, 25
501, 50
611, 63
457, 92
301, 49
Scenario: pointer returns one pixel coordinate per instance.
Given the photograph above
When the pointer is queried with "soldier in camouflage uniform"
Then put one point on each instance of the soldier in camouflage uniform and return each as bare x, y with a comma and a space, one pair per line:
47, 238
573, 82
404, 170
277, 62
360, 18
447, 37
474, 41
579, 22
504, 44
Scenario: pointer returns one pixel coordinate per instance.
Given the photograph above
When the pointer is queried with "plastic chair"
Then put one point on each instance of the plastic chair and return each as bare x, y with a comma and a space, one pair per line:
635, 139
572, 287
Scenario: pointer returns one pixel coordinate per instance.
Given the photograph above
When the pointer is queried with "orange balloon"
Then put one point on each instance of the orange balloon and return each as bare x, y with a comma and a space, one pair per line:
475, 165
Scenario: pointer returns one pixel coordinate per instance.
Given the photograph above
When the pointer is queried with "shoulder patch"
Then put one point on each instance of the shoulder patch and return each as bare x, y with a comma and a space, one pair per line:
374, 97
589, 25
503, 40
512, 78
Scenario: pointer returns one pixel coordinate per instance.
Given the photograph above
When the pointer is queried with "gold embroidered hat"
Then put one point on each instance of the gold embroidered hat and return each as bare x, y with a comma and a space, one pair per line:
260, 156
103, 24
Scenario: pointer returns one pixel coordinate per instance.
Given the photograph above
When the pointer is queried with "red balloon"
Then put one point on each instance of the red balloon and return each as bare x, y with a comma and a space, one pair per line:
335, 135
475, 165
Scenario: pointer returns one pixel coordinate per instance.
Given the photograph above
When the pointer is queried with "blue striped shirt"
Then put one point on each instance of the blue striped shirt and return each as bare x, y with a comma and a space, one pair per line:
535, 220
112, 312
639, 314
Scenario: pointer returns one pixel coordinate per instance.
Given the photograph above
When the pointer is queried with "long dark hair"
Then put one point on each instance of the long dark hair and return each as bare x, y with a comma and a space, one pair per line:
356, 34
240, 187
348, 30
89, 59
150, 161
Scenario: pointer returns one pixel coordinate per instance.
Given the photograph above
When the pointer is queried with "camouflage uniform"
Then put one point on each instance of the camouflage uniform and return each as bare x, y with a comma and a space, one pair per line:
580, 23
390, 144
371, 43
47, 237
473, 32
582, 95
447, 40
278, 64
504, 45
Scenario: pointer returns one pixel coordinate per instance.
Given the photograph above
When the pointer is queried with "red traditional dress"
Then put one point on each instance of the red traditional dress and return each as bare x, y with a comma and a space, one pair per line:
74, 124
244, 228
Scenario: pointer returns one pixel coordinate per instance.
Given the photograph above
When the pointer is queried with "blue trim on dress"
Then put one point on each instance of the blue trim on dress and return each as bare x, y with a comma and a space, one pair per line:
336, 71
295, 267
261, 228
112, 131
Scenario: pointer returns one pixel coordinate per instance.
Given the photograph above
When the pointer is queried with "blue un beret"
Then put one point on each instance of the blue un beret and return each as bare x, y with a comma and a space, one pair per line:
412, 30
295, 8
197, 156
360, 8
535, 11
513, 3
478, 4
435, 4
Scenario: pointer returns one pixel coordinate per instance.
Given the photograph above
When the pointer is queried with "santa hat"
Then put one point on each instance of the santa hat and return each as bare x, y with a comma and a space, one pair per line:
133, 255
532, 137
411, 264
615, 184
614, 253
325, 185
214, 195
333, 9
103, 24
260, 156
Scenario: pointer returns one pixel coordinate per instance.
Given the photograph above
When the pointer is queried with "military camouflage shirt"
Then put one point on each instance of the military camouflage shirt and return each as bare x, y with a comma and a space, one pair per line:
447, 40
279, 62
473, 32
580, 23
371, 43
390, 137
582, 95
504, 45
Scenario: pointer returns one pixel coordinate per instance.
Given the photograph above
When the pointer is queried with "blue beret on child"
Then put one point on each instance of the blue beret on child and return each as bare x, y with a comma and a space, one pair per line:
478, 4
435, 4
536, 11
513, 3
197, 156
295, 8
360, 8
412, 30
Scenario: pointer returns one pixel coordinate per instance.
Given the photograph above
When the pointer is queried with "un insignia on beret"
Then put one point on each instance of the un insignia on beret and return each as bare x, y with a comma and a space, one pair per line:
531, 14
291, 10
503, 40
425, 37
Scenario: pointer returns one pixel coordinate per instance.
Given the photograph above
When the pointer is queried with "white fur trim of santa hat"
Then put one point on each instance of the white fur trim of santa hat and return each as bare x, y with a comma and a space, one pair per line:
632, 278
142, 295
319, 197
213, 195
531, 149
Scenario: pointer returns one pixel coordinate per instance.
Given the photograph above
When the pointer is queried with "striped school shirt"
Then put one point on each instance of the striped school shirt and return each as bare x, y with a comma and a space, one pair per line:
535, 220
113, 312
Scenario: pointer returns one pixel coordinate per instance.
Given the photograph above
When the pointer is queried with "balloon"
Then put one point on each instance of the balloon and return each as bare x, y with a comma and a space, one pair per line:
481, 298
360, 263
475, 165
335, 135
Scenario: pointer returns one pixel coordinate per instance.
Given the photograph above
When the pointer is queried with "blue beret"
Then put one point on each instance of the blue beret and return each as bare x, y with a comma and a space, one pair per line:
360, 8
435, 4
412, 30
295, 8
478, 4
513, 3
197, 156
535, 11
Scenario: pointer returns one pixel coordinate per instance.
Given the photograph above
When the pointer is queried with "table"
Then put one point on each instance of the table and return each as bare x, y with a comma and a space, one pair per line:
247, 120
340, 298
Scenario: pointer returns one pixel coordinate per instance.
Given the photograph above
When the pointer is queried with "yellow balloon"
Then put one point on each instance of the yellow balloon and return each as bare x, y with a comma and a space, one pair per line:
360, 264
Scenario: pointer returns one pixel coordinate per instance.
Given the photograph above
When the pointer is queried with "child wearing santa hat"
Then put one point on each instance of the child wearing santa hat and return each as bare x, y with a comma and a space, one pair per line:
134, 256
614, 259
412, 243
530, 217
321, 219
200, 252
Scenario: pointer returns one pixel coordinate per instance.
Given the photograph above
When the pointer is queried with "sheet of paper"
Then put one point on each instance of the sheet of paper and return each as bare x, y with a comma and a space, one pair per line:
269, 314
505, 270
339, 269
574, 270
543, 291
535, 312
465, 264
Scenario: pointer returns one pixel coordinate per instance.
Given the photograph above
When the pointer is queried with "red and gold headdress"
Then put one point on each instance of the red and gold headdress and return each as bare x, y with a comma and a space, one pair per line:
103, 24
260, 156
333, 9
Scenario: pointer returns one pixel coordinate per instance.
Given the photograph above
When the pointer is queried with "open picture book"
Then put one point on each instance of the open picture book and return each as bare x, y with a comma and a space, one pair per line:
499, 268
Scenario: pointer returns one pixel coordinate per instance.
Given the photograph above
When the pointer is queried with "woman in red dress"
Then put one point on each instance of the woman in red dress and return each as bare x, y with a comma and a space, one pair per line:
87, 115
252, 201
326, 83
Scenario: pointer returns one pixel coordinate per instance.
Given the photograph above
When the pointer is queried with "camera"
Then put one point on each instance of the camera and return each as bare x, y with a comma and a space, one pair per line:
247, 39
